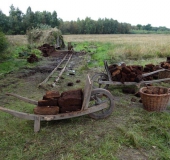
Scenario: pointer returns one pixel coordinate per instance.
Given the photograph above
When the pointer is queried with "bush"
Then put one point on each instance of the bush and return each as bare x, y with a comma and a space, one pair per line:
3, 42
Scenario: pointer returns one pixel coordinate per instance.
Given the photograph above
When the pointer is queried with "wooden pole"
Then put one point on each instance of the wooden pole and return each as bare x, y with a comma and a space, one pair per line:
23, 98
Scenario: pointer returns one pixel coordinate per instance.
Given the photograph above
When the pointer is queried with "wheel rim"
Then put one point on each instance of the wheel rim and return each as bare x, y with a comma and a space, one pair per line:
100, 77
97, 98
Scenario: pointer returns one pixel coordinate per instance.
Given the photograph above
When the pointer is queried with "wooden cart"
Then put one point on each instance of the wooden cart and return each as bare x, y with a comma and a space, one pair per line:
97, 103
103, 80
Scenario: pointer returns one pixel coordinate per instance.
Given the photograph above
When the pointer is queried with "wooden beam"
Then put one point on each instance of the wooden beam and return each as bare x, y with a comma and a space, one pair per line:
19, 114
56, 80
55, 117
37, 124
52, 71
23, 98
87, 93
150, 73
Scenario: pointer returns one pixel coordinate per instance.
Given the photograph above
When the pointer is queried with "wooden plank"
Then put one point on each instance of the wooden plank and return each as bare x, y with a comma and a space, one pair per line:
37, 124
150, 73
87, 93
53, 85
23, 98
19, 114
54, 117
155, 81
117, 83
133, 83
107, 70
53, 71
70, 47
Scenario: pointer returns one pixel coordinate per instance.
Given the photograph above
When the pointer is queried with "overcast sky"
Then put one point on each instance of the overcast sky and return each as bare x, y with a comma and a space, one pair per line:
154, 12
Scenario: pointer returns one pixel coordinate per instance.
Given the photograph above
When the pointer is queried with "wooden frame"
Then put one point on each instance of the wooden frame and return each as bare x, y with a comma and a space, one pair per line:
38, 118
132, 83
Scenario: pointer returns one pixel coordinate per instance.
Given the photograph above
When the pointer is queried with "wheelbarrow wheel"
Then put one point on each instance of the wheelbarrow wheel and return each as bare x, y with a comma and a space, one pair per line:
100, 77
99, 96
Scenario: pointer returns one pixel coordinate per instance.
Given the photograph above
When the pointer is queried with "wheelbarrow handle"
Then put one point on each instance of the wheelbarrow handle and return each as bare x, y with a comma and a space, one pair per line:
23, 98
150, 73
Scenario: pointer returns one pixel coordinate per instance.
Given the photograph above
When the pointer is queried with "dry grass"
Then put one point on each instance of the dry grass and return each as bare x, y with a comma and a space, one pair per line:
18, 39
125, 42
130, 45
120, 38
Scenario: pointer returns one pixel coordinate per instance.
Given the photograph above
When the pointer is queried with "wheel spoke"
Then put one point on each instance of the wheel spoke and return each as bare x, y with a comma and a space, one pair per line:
98, 97
99, 77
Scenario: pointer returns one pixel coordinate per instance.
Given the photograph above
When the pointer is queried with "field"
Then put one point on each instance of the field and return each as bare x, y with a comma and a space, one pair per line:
130, 133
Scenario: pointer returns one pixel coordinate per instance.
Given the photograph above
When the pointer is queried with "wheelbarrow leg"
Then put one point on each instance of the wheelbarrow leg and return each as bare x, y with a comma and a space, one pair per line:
37, 124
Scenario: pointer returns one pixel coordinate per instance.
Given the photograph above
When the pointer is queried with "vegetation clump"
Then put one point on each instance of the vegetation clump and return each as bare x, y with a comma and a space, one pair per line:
52, 36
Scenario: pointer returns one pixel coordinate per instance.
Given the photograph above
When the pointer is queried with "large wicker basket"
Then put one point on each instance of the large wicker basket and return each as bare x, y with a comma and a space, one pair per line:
155, 102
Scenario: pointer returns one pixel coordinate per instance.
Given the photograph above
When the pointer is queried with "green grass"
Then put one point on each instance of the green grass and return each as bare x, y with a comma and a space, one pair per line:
11, 65
16, 58
114, 53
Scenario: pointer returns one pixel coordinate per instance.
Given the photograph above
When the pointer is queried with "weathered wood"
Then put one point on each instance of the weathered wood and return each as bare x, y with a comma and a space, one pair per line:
150, 73
52, 71
55, 117
19, 114
107, 70
155, 81
56, 80
70, 47
133, 83
87, 93
23, 98
37, 124
117, 83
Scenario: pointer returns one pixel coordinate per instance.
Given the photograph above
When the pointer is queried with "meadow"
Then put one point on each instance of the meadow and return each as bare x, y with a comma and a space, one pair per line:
130, 133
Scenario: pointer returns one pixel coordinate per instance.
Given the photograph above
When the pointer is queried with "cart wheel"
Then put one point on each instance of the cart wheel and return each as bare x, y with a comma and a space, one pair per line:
100, 77
99, 96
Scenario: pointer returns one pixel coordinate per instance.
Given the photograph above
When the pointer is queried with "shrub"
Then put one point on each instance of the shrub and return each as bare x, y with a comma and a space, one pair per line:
3, 43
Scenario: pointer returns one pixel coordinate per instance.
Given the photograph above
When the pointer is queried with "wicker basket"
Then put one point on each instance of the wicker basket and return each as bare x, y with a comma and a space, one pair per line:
155, 102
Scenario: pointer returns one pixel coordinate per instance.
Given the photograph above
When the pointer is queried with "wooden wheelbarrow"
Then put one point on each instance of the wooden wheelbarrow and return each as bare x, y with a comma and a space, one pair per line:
97, 103
103, 80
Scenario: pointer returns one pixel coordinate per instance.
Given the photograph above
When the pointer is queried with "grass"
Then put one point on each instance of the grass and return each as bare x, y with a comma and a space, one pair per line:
129, 133
116, 48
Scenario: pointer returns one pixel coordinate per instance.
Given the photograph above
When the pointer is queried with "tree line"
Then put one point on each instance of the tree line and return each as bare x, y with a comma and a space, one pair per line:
18, 23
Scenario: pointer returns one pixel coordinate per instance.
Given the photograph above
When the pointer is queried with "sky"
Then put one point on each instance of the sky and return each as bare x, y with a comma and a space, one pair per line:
154, 12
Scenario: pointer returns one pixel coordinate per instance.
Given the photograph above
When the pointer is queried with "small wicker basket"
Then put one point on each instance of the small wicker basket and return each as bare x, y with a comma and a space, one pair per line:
155, 102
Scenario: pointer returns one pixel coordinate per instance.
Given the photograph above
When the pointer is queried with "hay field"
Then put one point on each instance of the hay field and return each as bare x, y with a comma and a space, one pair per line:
120, 38
135, 45
149, 39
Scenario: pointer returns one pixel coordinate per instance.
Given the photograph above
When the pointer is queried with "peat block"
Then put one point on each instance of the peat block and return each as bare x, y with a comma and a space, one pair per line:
67, 109
33, 58
51, 102
71, 98
155, 91
52, 110
129, 90
51, 95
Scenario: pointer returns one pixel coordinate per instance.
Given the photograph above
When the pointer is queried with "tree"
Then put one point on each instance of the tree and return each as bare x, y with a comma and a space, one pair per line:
3, 42
139, 26
4, 22
54, 20
15, 20
148, 27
